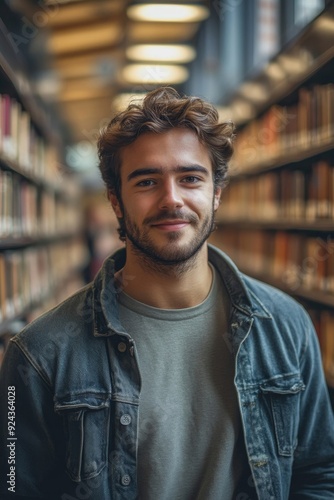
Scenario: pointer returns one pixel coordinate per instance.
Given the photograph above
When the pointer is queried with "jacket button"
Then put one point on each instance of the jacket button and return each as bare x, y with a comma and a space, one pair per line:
126, 480
121, 347
125, 419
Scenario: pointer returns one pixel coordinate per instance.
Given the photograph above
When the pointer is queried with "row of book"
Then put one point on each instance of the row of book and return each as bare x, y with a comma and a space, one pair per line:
28, 211
323, 321
11, 328
20, 142
282, 129
30, 276
295, 261
298, 194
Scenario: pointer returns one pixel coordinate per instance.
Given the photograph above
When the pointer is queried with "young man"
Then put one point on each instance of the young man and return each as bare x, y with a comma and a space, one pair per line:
172, 375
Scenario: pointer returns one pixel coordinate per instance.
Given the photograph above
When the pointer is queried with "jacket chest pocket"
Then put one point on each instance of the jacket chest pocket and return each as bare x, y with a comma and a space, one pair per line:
86, 431
283, 396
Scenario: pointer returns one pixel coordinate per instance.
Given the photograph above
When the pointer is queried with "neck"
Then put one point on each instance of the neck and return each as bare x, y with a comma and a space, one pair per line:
167, 286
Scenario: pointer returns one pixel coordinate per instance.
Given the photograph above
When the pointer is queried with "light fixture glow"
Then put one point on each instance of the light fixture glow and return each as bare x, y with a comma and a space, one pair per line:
275, 71
122, 101
253, 91
293, 64
155, 73
163, 53
168, 13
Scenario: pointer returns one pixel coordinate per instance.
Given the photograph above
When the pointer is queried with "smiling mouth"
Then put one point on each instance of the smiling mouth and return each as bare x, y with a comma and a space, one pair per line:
174, 225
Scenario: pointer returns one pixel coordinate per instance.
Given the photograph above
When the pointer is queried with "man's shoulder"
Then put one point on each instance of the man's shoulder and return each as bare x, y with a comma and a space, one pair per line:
272, 297
60, 345
63, 320
265, 299
285, 318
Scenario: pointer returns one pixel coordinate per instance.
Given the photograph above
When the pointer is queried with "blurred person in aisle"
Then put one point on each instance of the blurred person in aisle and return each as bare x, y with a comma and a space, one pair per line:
101, 235
172, 375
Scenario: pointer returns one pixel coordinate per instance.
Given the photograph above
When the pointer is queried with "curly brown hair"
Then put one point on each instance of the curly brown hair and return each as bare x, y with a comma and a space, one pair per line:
161, 110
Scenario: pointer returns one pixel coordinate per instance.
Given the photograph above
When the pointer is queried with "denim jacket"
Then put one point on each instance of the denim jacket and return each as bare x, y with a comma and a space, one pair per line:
74, 372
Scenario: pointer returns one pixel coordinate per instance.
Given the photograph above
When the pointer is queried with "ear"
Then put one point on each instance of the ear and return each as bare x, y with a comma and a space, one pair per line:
216, 203
115, 204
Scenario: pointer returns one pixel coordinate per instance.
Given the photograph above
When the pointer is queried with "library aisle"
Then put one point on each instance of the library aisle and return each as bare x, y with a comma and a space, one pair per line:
277, 214
276, 219
42, 249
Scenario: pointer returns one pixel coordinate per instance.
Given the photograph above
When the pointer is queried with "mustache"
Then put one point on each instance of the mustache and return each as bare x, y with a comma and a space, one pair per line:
175, 214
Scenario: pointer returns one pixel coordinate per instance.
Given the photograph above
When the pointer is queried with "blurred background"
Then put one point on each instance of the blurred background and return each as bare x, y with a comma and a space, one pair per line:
68, 66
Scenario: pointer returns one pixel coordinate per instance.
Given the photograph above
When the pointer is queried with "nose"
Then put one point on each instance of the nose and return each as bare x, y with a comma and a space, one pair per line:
170, 197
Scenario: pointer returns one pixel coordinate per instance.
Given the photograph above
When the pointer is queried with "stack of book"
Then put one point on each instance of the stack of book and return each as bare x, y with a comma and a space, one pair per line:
284, 128
30, 276
303, 193
26, 210
295, 261
20, 142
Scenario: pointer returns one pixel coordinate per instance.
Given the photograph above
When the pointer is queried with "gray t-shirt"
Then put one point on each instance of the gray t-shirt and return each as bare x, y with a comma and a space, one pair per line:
190, 438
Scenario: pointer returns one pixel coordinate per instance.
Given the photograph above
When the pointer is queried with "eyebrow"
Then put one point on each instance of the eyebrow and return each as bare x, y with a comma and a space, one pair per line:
179, 169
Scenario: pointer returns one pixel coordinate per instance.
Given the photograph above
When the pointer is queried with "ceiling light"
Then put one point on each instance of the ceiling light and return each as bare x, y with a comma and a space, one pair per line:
163, 53
175, 13
275, 71
155, 73
253, 91
293, 64
325, 24
48, 84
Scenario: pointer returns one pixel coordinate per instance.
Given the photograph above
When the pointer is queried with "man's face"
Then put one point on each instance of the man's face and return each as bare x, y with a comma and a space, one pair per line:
168, 196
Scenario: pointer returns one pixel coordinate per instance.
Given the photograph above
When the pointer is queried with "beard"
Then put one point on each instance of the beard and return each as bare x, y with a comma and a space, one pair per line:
170, 257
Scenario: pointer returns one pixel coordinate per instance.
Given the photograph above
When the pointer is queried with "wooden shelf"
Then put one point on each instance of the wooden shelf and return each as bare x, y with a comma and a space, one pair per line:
7, 325
315, 296
12, 243
12, 166
44, 196
11, 69
288, 157
56, 188
317, 225
310, 57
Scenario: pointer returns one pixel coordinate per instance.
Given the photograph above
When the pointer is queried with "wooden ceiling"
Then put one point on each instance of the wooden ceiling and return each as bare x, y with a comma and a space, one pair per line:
86, 44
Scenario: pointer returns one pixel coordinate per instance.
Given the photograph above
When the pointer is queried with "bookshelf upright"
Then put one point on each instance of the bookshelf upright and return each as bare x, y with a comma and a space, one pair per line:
276, 219
41, 246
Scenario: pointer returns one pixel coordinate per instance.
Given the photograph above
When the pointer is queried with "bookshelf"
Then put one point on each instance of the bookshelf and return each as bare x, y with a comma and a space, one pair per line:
276, 219
42, 246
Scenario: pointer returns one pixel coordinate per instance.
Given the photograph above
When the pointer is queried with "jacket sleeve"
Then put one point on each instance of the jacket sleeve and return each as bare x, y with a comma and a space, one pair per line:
29, 442
313, 471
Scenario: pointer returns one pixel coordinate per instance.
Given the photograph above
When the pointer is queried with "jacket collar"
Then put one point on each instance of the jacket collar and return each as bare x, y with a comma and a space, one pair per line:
106, 311
241, 296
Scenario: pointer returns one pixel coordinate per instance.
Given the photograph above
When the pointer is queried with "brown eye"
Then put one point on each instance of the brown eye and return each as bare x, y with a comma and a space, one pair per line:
191, 179
145, 183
